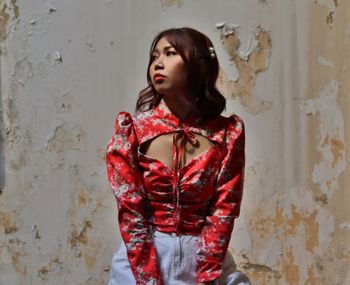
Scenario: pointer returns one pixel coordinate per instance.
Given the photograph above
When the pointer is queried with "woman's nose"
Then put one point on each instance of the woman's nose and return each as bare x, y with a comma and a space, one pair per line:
159, 63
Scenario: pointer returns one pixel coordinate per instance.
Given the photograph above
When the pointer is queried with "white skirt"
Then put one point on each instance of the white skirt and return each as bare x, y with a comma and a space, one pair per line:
177, 262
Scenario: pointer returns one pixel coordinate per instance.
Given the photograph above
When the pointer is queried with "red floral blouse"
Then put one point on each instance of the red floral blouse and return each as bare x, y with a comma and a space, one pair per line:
202, 197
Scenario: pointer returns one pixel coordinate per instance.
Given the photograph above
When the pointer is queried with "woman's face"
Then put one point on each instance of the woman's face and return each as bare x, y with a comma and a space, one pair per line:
167, 70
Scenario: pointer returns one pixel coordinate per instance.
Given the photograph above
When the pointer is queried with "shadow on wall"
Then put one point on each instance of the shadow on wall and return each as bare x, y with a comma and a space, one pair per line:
2, 142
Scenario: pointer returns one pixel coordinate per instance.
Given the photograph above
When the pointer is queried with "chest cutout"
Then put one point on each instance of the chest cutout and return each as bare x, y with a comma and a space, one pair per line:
161, 148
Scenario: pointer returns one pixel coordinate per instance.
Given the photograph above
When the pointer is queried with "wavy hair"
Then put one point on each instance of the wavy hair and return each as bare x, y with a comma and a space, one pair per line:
204, 100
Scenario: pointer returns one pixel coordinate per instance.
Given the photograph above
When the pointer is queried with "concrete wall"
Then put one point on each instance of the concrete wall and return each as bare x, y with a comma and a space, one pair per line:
68, 67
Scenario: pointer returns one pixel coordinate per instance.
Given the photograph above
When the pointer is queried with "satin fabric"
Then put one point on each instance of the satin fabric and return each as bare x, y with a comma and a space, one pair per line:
202, 197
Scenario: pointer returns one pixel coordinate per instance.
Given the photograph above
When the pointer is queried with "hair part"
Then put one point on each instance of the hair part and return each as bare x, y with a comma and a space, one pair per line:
204, 100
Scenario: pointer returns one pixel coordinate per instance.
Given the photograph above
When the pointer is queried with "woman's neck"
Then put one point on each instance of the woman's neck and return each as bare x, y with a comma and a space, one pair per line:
177, 106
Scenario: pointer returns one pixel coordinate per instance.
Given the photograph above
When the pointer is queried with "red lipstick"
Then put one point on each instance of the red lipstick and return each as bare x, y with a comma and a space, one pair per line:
158, 76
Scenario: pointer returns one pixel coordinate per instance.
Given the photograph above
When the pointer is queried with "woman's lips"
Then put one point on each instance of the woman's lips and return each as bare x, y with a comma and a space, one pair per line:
159, 77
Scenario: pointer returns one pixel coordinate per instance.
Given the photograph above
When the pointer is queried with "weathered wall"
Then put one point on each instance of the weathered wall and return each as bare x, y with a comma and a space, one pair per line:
68, 67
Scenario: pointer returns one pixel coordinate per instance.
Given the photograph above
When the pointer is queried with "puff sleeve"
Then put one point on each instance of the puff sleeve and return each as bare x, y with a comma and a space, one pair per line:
226, 203
126, 182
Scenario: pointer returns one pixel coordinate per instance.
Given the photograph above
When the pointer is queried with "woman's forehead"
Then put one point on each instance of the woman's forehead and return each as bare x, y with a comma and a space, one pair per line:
162, 43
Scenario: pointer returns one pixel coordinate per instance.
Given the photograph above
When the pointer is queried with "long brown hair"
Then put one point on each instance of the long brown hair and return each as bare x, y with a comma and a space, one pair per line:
203, 68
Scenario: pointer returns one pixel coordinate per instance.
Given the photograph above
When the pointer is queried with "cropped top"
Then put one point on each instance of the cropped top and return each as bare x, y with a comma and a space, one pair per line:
203, 197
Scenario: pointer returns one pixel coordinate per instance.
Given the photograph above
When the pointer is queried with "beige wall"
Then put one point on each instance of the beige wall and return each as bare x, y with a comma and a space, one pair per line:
67, 69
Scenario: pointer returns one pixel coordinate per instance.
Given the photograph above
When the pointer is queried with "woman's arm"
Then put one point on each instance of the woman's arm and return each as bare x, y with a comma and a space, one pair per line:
226, 203
127, 185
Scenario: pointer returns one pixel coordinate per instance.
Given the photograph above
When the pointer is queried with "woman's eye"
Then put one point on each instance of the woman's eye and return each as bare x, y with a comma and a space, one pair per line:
171, 52
153, 57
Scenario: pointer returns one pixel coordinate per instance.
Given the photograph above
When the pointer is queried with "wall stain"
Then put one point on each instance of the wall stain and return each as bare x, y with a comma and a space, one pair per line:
308, 221
90, 254
21, 140
169, 3
5, 17
80, 237
311, 278
42, 272
247, 265
7, 224
298, 231
333, 265
16, 249
260, 273
4, 20
330, 18
65, 103
36, 232
337, 148
83, 198
15, 8
55, 266
67, 136
84, 207
253, 62
93, 281
290, 269
290, 225
328, 134
101, 156
331, 5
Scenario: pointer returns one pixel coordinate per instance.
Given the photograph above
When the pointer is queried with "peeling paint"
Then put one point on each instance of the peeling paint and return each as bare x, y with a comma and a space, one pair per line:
330, 18
331, 5
65, 102
287, 241
288, 233
6, 17
23, 71
15, 8
52, 9
58, 57
331, 137
345, 226
4, 20
36, 232
227, 28
325, 62
254, 62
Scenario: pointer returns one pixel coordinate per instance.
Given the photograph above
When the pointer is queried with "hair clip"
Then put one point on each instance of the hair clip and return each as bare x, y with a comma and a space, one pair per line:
212, 52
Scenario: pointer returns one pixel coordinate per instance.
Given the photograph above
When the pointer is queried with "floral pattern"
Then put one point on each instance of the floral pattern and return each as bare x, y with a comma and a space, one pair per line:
202, 197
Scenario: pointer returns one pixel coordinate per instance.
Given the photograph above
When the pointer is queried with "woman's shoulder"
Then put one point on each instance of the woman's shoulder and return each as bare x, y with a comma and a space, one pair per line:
123, 119
232, 123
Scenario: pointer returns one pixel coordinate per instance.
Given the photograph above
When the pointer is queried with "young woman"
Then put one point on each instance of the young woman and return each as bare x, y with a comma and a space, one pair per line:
176, 168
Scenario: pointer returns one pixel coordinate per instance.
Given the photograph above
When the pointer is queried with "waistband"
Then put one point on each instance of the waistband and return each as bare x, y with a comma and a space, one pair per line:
159, 234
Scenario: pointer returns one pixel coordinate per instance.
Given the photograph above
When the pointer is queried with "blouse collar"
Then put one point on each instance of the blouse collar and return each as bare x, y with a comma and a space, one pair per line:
161, 120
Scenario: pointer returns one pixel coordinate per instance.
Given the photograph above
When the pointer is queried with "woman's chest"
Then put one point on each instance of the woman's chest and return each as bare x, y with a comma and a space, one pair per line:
193, 181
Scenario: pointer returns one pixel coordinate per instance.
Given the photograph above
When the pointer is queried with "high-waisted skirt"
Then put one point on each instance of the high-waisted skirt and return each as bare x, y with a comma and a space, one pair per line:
177, 262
